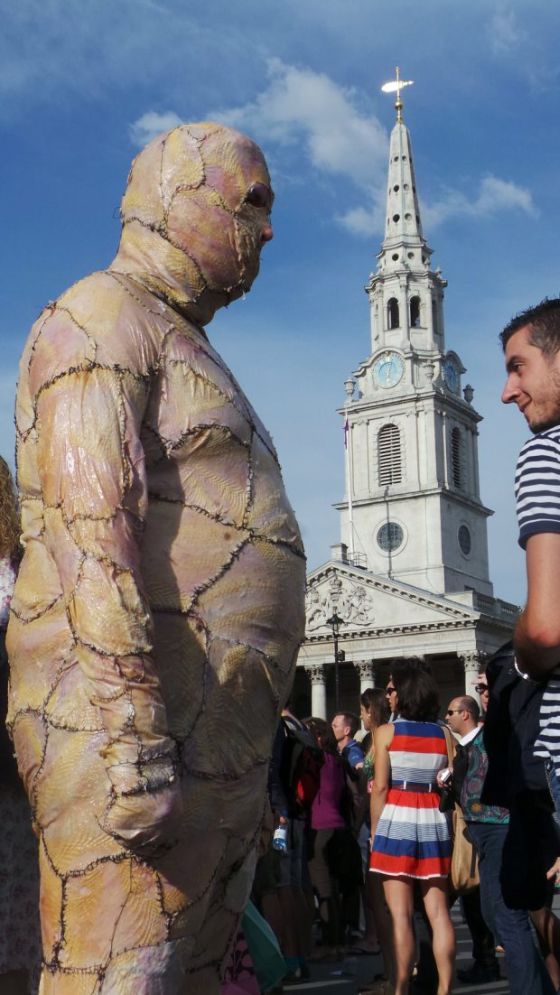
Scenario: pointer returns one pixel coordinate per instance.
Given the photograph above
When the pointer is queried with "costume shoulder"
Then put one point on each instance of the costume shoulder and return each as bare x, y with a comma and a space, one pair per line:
104, 321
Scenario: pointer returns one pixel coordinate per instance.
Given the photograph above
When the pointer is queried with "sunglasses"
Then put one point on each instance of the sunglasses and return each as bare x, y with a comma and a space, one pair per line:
389, 690
481, 688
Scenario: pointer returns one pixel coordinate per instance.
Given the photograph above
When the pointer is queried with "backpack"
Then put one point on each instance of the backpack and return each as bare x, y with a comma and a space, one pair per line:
355, 801
302, 760
510, 730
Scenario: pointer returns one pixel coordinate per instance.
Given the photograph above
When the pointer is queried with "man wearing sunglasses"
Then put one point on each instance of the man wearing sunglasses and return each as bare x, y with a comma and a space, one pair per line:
481, 689
391, 696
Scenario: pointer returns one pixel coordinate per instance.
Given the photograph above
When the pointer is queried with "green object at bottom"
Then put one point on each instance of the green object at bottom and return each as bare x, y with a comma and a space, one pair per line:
270, 966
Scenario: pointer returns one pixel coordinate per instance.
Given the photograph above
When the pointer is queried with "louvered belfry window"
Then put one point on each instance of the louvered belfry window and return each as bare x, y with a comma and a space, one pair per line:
389, 457
393, 320
457, 457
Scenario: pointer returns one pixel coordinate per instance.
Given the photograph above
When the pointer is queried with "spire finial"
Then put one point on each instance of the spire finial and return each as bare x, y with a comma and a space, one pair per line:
395, 86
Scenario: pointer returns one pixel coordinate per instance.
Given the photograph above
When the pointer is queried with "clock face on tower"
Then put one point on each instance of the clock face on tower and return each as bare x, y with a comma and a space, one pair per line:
451, 376
388, 369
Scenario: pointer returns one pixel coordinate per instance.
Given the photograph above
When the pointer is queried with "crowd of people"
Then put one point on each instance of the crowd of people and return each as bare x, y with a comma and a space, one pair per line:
356, 851
359, 837
390, 799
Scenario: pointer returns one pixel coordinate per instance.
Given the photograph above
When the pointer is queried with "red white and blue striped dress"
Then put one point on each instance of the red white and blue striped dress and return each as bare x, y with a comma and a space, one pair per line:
413, 837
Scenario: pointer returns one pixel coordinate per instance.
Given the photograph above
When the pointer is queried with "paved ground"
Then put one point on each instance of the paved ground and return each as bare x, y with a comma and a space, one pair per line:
347, 976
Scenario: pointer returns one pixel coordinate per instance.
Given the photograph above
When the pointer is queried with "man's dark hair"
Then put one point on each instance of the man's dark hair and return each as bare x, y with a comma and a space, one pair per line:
544, 326
416, 691
350, 719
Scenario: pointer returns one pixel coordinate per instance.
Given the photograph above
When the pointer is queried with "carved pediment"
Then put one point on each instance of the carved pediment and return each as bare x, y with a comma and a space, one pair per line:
365, 602
351, 601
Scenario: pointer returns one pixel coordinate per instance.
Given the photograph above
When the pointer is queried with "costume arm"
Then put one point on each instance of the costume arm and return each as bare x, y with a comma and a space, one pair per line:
91, 467
537, 633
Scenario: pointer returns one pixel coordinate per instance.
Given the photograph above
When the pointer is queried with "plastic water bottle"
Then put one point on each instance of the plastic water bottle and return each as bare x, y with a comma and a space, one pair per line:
280, 839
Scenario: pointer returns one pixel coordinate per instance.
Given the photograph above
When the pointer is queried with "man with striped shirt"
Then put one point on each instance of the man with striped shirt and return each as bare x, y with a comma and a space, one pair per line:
531, 344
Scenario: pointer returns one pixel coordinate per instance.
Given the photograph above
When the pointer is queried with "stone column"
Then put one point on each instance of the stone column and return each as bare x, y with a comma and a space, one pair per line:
317, 675
366, 670
471, 664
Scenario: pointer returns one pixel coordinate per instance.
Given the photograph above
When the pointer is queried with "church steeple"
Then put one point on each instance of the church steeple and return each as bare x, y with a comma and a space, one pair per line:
412, 504
403, 227
404, 292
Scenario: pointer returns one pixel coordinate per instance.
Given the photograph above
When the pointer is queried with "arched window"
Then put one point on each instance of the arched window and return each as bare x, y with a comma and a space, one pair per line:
435, 316
415, 312
389, 457
393, 313
457, 465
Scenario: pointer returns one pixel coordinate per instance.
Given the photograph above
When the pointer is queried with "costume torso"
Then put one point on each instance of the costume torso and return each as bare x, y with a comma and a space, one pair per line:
160, 553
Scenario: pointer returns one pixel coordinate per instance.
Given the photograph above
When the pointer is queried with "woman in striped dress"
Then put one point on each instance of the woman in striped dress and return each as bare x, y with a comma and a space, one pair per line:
411, 839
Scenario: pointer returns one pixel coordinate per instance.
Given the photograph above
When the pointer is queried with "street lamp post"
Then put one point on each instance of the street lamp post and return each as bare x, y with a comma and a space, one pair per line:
335, 622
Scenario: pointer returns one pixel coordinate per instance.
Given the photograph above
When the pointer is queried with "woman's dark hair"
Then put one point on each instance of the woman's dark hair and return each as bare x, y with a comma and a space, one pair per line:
416, 691
375, 703
323, 734
9, 518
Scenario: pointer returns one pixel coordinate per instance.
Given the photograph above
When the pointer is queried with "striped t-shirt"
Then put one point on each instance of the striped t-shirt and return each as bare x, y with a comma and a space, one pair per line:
537, 493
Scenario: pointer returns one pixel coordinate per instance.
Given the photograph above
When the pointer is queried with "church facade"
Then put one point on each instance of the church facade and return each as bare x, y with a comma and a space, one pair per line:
410, 575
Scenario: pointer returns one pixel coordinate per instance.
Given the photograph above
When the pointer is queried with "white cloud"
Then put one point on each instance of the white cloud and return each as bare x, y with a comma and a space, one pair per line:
310, 113
151, 124
307, 112
494, 195
505, 35
361, 221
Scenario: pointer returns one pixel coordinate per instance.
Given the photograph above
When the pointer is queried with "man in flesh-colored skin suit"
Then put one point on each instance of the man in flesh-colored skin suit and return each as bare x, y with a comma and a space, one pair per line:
159, 606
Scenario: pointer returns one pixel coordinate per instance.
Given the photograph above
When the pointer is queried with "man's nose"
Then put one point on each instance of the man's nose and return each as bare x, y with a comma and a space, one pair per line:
509, 392
267, 233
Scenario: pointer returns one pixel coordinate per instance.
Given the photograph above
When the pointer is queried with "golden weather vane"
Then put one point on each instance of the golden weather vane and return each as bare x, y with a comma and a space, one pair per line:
395, 86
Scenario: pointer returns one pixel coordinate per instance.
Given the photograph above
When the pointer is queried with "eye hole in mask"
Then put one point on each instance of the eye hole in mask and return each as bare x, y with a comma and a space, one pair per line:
260, 195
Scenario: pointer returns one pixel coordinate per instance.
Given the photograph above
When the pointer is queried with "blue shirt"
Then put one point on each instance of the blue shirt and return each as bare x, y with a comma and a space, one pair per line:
352, 753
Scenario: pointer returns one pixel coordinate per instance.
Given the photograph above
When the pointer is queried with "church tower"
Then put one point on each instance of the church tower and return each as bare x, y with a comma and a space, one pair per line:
412, 509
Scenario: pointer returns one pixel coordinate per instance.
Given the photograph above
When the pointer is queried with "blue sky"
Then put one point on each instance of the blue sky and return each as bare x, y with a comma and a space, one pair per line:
83, 83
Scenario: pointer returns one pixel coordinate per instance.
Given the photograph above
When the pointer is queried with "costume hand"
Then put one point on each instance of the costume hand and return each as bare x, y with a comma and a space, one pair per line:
144, 812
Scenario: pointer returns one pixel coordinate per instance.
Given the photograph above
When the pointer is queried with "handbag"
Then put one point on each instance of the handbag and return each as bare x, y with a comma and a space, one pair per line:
464, 873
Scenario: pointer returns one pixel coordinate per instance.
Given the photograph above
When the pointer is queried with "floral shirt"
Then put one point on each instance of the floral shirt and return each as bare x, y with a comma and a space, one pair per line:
7, 581
477, 766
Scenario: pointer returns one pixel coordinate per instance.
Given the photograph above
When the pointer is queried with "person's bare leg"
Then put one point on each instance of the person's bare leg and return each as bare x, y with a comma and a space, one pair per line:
370, 939
548, 932
383, 926
436, 902
399, 897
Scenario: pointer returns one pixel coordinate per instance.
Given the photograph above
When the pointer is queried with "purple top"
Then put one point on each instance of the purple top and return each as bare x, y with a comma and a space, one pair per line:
325, 810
